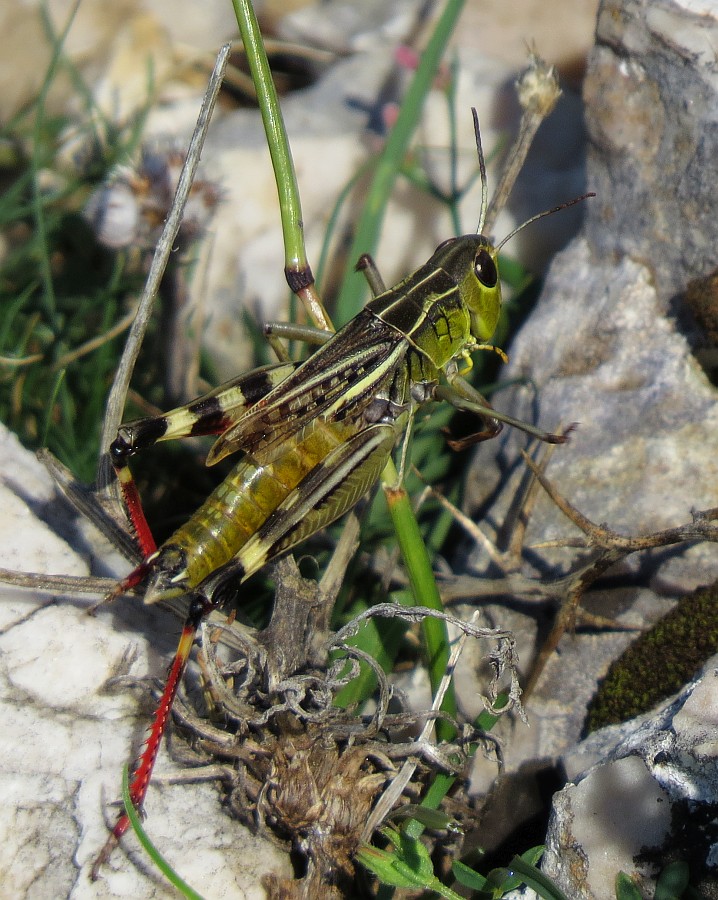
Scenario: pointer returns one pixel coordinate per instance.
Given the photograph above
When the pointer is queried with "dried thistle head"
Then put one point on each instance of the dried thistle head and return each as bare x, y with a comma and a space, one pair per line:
129, 209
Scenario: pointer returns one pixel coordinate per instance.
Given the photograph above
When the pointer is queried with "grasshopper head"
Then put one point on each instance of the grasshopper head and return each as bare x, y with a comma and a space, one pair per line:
471, 261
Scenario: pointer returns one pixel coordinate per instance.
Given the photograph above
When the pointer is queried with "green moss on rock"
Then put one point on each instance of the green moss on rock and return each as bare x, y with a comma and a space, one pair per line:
659, 663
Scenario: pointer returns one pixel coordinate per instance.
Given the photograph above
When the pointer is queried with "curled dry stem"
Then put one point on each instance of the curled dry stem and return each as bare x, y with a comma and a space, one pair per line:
274, 724
609, 547
606, 548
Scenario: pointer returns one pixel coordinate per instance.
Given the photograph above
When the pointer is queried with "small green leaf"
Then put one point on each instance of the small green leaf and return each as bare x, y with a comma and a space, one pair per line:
430, 818
416, 856
535, 878
407, 866
467, 876
385, 866
501, 880
533, 856
673, 881
626, 889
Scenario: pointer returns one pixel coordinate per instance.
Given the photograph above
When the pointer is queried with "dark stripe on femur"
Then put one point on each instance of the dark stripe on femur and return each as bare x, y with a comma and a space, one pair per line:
210, 416
257, 386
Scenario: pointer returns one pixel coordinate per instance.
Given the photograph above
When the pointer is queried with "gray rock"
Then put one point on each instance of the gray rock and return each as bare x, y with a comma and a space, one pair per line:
67, 731
650, 799
606, 348
347, 27
602, 348
653, 124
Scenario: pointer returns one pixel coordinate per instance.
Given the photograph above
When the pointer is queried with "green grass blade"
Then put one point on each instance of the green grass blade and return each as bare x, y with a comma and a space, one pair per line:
626, 889
152, 851
369, 226
59, 378
426, 593
35, 165
296, 268
535, 879
279, 150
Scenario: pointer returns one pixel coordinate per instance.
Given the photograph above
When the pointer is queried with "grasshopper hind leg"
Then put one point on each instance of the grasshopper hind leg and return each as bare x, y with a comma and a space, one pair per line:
210, 414
142, 773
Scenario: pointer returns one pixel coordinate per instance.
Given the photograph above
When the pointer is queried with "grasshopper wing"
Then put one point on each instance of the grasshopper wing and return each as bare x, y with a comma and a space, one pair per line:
338, 381
332, 488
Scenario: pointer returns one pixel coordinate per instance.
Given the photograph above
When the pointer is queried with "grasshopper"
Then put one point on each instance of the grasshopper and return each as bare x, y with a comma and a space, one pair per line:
314, 437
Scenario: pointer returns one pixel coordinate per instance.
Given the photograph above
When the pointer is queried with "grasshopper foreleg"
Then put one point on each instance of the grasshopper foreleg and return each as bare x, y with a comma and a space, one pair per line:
463, 396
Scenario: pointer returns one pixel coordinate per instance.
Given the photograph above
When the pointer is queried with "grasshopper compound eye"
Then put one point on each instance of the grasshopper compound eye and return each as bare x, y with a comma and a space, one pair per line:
485, 268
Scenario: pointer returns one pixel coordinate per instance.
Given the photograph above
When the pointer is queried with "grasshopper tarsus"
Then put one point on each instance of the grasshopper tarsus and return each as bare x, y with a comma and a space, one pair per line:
562, 438
493, 429
104, 855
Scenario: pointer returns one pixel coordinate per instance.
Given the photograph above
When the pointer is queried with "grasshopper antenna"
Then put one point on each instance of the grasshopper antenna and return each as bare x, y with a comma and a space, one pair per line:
485, 192
541, 215
482, 173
